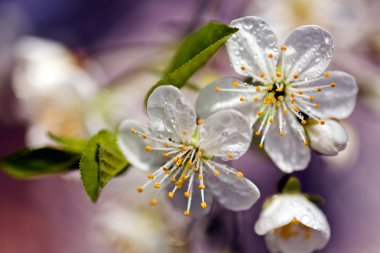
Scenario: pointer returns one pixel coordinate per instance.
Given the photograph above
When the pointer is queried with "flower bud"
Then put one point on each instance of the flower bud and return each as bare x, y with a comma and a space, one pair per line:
327, 139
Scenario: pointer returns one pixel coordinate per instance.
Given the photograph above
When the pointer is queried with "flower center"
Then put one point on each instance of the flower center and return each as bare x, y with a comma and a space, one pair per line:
294, 229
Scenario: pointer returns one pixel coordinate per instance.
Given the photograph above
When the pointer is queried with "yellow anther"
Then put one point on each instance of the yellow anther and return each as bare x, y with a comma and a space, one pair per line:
270, 88
258, 88
157, 185
179, 162
295, 76
242, 99
280, 97
203, 205
133, 130
262, 75
184, 132
271, 120
281, 133
333, 85
319, 89
168, 172
175, 159
312, 98
259, 113
292, 101
230, 155
270, 56
261, 145
171, 195
140, 189
283, 48
186, 213
196, 170
144, 136
216, 173
200, 121
243, 68
327, 74
303, 122
317, 106
305, 143
153, 202
300, 92
280, 90
199, 154
278, 74
284, 111
295, 108
173, 179
150, 176
239, 174
292, 95
255, 99
257, 133
235, 84
148, 148
322, 122
217, 89
166, 144
164, 168
200, 177
165, 154
189, 163
184, 148
187, 194
201, 187
278, 105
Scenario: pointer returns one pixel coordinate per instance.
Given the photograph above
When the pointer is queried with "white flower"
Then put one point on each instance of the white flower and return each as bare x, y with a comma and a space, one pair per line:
290, 88
328, 139
292, 224
182, 153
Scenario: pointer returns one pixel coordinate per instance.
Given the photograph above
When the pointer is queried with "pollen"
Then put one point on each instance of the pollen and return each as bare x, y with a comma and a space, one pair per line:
312, 98
235, 84
332, 85
292, 101
216, 173
255, 99
144, 136
317, 106
259, 113
230, 155
164, 168
271, 120
196, 170
284, 111
322, 122
262, 75
153, 202
319, 89
165, 154
281, 133
157, 185
295, 108
303, 122
184, 148
186, 194
200, 121
292, 95
140, 189
300, 92
270, 88
261, 145
184, 132
201, 187
242, 99
239, 174
186, 213
258, 88
171, 195
283, 48
278, 74
327, 74
278, 105
203, 205
257, 133
270, 56
189, 163
305, 143
217, 89
173, 179
280, 90
243, 68
150, 176
166, 144
133, 130
148, 148
295, 76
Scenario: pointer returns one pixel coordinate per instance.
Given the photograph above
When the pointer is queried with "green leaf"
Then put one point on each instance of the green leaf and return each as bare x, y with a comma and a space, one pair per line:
193, 53
37, 162
293, 185
101, 160
69, 144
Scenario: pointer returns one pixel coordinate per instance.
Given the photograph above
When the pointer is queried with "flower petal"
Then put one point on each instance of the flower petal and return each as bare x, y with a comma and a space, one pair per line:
288, 152
283, 208
327, 139
226, 134
133, 146
233, 192
209, 101
337, 102
250, 47
170, 114
309, 51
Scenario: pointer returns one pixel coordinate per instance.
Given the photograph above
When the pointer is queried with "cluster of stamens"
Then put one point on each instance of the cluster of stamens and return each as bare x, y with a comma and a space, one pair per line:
294, 229
185, 165
279, 97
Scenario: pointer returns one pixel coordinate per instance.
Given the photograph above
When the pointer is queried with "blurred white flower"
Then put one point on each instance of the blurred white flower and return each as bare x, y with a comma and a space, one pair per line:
292, 224
291, 88
184, 152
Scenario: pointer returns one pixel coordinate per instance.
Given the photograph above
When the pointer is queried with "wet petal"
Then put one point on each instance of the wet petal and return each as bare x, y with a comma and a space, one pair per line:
226, 134
337, 102
328, 139
309, 51
209, 101
253, 50
133, 146
232, 191
170, 114
288, 152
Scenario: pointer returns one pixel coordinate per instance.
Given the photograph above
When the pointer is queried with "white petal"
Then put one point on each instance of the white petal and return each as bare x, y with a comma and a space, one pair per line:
133, 146
286, 207
251, 45
328, 139
288, 152
337, 102
232, 192
209, 101
309, 51
170, 114
225, 132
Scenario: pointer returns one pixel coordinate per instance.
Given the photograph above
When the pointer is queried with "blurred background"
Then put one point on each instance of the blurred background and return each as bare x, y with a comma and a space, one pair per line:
73, 67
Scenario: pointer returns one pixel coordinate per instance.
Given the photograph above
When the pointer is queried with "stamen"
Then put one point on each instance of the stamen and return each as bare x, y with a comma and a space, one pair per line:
230, 155
235, 84
327, 74
283, 48
243, 68
148, 148
217, 89
133, 130
200, 122
153, 202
